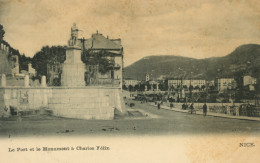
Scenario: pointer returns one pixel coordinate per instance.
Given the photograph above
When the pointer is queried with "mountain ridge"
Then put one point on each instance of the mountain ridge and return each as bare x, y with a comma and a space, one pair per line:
244, 59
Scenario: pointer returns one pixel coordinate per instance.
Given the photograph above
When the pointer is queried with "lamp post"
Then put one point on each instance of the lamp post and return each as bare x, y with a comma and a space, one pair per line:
182, 76
190, 85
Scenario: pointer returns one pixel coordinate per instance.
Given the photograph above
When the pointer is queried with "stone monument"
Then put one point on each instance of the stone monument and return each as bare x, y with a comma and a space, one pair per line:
73, 69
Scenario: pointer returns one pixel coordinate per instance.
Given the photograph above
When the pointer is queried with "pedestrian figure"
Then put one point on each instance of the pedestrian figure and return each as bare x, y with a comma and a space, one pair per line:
159, 105
191, 108
183, 106
171, 105
205, 109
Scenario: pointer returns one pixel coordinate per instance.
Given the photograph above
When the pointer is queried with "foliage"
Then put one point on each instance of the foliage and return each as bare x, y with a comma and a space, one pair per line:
136, 87
130, 88
245, 59
124, 87
24, 61
48, 55
98, 57
2, 32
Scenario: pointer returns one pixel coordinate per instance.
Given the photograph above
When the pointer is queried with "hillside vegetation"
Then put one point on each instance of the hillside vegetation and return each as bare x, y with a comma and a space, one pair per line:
243, 60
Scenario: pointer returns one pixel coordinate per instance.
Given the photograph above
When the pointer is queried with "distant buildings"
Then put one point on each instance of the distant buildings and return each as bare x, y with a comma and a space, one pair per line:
223, 84
132, 82
248, 80
186, 82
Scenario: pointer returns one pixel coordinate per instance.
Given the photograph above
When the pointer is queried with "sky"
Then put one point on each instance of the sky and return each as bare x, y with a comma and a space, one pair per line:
191, 28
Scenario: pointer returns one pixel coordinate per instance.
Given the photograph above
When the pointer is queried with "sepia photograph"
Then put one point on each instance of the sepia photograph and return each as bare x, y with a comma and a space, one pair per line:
130, 81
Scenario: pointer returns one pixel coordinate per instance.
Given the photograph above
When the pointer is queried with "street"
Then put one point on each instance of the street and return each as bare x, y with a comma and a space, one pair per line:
158, 122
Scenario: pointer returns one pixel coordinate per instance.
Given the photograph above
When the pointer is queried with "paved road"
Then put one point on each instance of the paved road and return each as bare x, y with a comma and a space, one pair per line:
168, 123
185, 123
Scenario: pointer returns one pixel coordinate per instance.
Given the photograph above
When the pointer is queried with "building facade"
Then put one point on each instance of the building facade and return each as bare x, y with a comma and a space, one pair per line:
223, 84
132, 82
54, 74
113, 51
248, 80
186, 82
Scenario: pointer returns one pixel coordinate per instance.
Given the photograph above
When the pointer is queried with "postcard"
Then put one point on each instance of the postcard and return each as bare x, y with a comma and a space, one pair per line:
129, 81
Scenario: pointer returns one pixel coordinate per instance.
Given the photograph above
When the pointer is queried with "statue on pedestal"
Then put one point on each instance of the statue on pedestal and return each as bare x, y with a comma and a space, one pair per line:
74, 35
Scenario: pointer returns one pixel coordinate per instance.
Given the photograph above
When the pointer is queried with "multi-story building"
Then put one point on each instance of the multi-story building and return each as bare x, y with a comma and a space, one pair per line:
248, 80
223, 84
113, 51
132, 82
174, 82
186, 82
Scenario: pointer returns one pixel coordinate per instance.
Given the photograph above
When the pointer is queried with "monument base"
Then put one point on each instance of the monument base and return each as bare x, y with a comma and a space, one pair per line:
84, 103
73, 74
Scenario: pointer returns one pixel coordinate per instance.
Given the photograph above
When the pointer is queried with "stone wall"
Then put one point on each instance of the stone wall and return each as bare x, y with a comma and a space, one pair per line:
71, 102
24, 99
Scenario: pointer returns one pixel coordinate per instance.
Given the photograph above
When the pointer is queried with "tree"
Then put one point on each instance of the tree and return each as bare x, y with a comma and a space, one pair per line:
48, 55
154, 86
98, 57
23, 62
162, 87
130, 88
149, 86
136, 87
124, 87
197, 87
142, 87
203, 87
2, 33
172, 88
190, 87
212, 87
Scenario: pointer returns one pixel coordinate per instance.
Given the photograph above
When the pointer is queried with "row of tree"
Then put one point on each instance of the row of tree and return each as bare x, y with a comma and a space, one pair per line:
143, 86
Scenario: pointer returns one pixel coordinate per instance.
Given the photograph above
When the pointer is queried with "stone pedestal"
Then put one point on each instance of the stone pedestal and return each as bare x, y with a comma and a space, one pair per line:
26, 81
3, 80
73, 69
73, 75
43, 81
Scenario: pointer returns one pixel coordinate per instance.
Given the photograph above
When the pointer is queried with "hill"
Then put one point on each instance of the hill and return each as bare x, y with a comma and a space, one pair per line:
243, 60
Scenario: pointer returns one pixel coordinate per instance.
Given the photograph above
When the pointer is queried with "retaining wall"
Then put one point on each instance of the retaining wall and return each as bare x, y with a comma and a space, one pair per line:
71, 102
